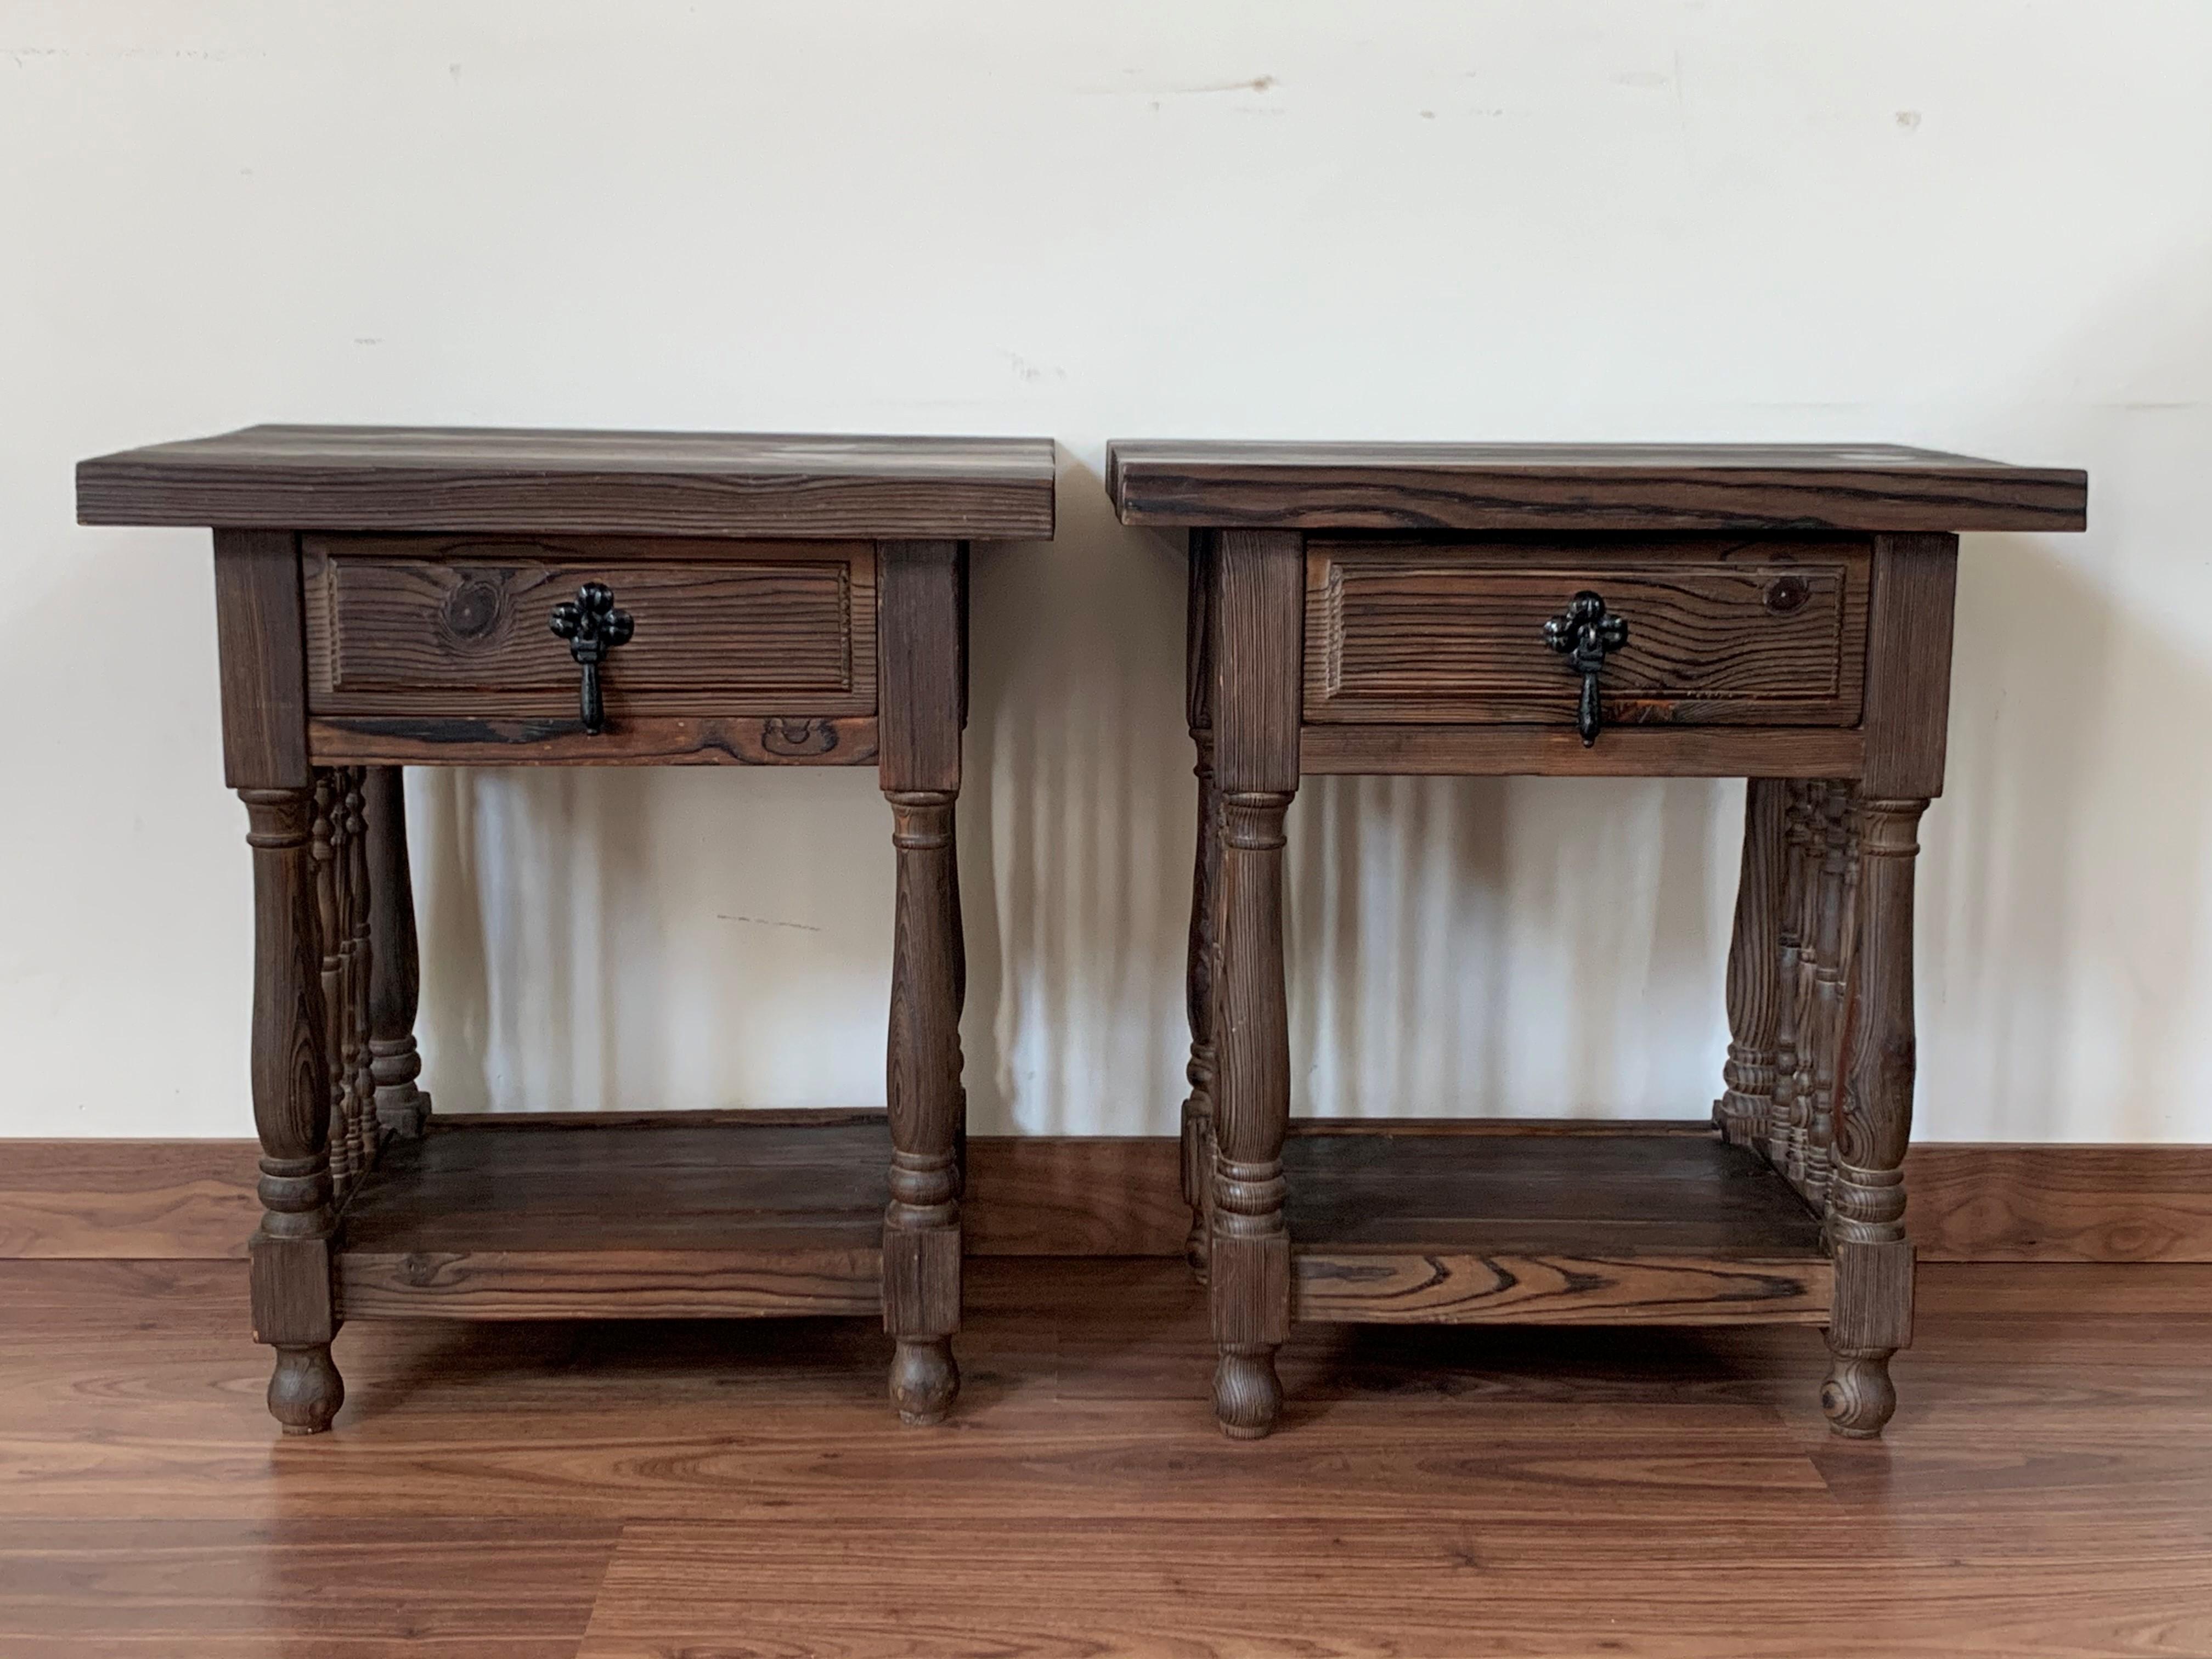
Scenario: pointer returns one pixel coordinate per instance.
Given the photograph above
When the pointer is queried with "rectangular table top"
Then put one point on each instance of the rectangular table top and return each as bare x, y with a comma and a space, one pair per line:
696, 483
1584, 487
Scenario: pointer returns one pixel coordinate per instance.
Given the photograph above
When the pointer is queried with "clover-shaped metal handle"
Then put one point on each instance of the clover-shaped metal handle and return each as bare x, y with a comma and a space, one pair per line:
1584, 633
593, 628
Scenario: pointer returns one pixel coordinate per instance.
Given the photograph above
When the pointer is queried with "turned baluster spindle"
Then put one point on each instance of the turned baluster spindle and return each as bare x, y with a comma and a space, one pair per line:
1838, 926
1754, 993
394, 978
1205, 887
342, 1060
330, 931
370, 1139
1789, 948
1810, 944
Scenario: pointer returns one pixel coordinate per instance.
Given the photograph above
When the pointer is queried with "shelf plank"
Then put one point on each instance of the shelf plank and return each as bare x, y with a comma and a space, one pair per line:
1560, 1290
1650, 1226
625, 1218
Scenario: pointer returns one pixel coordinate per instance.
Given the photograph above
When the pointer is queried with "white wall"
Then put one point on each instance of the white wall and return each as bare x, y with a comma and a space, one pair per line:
1979, 224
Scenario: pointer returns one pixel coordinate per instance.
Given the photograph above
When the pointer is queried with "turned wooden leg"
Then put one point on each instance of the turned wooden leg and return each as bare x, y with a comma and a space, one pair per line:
394, 982
1205, 884
920, 676
294, 1311
1257, 641
1753, 995
1872, 1317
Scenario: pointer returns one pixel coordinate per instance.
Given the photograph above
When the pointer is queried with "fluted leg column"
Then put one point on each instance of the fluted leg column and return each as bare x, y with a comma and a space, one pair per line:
1872, 1317
294, 1311
1257, 633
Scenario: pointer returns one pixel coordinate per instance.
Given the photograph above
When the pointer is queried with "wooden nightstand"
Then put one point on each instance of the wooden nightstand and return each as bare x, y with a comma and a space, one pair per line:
390, 598
1777, 613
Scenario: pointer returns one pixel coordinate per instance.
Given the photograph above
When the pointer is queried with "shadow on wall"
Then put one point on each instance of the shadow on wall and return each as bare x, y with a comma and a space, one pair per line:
2063, 874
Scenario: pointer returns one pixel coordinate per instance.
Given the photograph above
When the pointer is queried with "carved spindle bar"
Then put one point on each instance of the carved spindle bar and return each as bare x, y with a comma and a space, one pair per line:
394, 981
1259, 592
344, 1073
369, 1135
1753, 995
1204, 887
1789, 948
1810, 945
326, 833
1830, 990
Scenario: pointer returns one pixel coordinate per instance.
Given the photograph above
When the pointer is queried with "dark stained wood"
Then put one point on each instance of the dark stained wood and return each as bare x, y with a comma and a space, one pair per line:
1628, 487
1754, 967
1256, 626
1866, 1198
1908, 695
1073, 1196
638, 1218
795, 739
1559, 1491
293, 1308
529, 1184
922, 676
384, 599
1582, 1288
1778, 613
1197, 1129
1555, 751
1617, 1193
259, 643
1764, 632
439, 626
395, 981
580, 482
1116, 1195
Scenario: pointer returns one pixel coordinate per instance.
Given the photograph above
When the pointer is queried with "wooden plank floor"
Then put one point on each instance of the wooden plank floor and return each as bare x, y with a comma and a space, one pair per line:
581, 1492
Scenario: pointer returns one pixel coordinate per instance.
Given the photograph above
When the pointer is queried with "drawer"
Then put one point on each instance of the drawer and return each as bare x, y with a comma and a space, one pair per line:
456, 626
1733, 632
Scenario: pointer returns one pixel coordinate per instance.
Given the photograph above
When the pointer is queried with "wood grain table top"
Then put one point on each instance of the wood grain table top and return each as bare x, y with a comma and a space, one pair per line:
1584, 487
656, 484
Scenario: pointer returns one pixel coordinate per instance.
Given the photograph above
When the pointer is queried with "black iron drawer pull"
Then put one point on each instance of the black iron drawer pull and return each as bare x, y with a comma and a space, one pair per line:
1584, 633
593, 628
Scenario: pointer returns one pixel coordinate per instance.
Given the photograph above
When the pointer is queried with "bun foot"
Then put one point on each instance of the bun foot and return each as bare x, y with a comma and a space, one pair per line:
1859, 1397
924, 1380
305, 1391
1248, 1396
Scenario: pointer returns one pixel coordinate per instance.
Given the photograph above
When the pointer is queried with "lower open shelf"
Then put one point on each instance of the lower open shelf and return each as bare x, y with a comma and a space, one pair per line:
1590, 1224
673, 1215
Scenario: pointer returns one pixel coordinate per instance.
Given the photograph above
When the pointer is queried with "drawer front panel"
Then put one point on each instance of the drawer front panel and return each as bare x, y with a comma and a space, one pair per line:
1761, 632
430, 625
